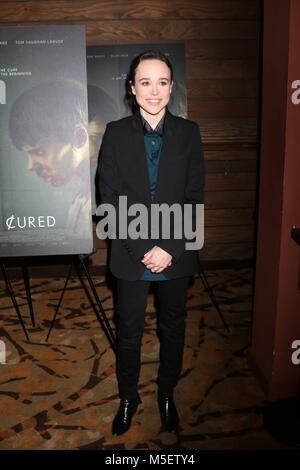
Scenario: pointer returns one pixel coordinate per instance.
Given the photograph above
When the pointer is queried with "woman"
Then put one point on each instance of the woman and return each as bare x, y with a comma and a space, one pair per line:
151, 158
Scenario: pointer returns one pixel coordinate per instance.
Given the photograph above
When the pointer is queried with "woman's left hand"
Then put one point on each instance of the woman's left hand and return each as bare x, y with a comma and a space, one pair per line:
157, 259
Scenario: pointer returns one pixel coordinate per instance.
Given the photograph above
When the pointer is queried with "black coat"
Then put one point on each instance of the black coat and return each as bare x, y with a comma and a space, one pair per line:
123, 171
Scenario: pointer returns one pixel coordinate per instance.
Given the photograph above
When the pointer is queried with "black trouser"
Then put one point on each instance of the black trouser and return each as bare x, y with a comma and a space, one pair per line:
131, 307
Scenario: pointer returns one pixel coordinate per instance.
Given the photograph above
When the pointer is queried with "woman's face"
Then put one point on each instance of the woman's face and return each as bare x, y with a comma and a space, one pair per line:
152, 86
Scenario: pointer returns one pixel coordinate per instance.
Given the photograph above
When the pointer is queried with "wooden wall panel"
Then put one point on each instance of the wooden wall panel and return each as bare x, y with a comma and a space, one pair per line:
221, 108
225, 130
87, 10
229, 199
229, 217
222, 56
230, 166
240, 152
226, 253
226, 88
127, 31
222, 69
222, 49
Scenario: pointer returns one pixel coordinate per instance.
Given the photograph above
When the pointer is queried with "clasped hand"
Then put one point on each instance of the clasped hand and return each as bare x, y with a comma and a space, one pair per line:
157, 259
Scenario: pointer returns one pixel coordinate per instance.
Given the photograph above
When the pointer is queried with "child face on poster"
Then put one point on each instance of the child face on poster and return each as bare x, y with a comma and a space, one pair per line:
57, 162
49, 122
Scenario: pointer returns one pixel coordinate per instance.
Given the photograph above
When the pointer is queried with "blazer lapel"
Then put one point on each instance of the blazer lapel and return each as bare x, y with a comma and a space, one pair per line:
166, 156
140, 159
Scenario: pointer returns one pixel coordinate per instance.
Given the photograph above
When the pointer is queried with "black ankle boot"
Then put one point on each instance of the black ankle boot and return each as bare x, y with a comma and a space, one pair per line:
122, 420
168, 412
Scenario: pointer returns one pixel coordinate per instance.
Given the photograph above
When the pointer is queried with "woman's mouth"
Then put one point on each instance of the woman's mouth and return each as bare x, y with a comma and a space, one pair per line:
153, 102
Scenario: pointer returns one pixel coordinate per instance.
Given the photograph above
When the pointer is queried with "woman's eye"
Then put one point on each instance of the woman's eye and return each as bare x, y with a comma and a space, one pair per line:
145, 83
164, 83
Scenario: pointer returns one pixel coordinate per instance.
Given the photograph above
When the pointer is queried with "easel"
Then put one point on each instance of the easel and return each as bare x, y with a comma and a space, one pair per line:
211, 294
11, 293
79, 263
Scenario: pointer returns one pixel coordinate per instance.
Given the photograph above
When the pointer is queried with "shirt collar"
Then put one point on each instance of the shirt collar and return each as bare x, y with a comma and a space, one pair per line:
158, 129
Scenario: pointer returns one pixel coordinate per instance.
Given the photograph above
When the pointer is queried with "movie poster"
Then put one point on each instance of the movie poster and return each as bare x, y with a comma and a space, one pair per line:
45, 187
107, 69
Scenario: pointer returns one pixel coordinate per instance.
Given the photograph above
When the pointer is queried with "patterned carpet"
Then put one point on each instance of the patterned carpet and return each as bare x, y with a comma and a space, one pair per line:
63, 394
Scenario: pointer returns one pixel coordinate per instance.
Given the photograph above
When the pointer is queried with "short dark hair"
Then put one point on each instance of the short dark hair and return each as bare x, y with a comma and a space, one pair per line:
146, 55
51, 108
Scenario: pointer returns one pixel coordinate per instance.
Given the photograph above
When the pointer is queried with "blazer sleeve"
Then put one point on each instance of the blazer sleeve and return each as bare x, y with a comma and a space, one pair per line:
194, 191
109, 186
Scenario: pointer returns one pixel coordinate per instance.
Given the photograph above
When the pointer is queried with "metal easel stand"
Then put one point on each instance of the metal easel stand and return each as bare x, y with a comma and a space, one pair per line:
211, 294
28, 292
79, 263
11, 293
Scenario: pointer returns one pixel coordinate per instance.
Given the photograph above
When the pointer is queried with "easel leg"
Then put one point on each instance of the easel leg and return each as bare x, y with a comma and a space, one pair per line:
13, 299
102, 318
60, 300
28, 293
209, 290
79, 264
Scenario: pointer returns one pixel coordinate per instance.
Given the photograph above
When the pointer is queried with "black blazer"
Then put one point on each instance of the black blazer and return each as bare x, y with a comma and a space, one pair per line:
123, 171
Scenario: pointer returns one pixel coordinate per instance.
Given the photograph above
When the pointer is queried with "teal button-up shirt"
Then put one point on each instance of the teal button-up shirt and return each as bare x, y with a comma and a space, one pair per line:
153, 140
